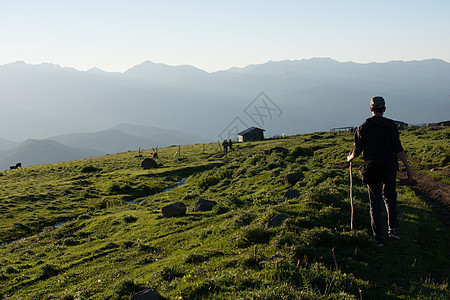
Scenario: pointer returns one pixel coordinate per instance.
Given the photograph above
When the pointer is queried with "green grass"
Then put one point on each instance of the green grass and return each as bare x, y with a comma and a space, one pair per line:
109, 248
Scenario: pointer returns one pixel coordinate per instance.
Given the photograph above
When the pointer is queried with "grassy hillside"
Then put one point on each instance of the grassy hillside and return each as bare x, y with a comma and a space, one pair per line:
106, 247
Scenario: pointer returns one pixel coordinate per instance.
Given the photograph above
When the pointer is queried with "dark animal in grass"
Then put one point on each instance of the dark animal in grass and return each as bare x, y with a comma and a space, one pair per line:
149, 163
17, 166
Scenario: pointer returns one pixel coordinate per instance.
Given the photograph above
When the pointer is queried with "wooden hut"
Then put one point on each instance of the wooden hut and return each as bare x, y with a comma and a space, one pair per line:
251, 134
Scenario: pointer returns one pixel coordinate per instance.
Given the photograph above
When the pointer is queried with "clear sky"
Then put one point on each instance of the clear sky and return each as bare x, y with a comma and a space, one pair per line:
214, 35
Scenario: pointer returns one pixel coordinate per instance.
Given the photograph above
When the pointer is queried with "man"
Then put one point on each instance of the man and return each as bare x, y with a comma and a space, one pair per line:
378, 137
225, 146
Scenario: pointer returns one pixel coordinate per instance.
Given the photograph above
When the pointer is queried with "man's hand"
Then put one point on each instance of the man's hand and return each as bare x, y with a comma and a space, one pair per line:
350, 157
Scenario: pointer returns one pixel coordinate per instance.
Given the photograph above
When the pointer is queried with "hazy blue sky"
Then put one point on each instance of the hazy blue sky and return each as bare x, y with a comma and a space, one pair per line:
213, 35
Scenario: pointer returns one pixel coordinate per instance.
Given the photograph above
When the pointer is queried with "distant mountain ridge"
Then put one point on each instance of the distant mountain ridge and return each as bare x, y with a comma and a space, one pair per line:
35, 152
126, 137
121, 138
5, 143
313, 94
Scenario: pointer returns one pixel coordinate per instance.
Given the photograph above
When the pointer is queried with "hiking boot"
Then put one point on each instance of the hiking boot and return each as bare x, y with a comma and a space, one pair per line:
379, 243
393, 235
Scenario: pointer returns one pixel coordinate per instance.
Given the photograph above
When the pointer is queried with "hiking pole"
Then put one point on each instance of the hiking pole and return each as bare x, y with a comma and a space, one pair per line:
351, 196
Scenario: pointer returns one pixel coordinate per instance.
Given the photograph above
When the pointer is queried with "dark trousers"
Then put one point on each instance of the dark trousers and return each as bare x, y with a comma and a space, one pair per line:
379, 191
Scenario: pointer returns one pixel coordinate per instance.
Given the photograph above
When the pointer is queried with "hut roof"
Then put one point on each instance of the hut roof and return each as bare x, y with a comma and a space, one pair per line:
249, 130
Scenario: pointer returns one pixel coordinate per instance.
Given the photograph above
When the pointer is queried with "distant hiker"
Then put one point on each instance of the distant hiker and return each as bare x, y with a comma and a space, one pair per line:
230, 144
378, 138
225, 146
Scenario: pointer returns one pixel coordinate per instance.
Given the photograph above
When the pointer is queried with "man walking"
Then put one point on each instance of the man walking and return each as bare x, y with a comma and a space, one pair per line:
378, 138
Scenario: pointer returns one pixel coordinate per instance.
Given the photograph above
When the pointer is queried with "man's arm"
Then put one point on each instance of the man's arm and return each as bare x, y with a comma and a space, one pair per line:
357, 145
402, 156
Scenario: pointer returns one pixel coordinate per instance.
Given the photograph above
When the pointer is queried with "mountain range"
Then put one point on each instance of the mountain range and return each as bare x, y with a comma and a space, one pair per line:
121, 138
47, 100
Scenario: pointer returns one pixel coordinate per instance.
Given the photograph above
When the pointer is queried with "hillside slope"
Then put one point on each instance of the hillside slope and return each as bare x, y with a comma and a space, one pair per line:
110, 248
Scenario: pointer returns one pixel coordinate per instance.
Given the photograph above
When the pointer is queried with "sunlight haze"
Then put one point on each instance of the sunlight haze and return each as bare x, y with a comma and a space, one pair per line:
216, 35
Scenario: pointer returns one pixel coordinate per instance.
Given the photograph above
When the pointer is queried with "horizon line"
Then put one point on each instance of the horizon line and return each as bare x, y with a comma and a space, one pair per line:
95, 68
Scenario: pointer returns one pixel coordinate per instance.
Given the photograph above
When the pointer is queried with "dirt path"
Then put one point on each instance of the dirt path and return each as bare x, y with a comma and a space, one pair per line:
434, 191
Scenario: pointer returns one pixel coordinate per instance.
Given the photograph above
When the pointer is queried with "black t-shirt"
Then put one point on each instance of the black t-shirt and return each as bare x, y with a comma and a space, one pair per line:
379, 139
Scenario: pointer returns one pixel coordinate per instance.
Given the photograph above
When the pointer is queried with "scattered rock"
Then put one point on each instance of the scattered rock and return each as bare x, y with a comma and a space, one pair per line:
174, 210
147, 295
276, 221
293, 178
291, 194
275, 173
204, 205
149, 163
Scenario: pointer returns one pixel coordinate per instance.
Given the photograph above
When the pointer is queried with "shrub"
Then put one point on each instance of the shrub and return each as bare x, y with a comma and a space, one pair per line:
301, 152
128, 219
10, 270
124, 289
199, 290
114, 189
170, 273
90, 169
252, 261
47, 271
205, 181
195, 258
252, 235
243, 219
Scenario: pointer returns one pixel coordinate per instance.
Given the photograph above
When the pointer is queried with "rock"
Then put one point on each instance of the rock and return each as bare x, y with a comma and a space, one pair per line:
174, 210
276, 221
275, 173
147, 295
291, 194
204, 205
149, 163
293, 178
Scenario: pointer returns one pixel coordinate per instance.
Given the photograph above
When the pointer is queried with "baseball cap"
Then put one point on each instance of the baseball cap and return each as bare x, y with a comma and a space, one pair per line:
377, 102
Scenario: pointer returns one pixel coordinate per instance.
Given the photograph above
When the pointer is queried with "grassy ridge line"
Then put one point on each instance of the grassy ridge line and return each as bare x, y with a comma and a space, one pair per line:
229, 253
